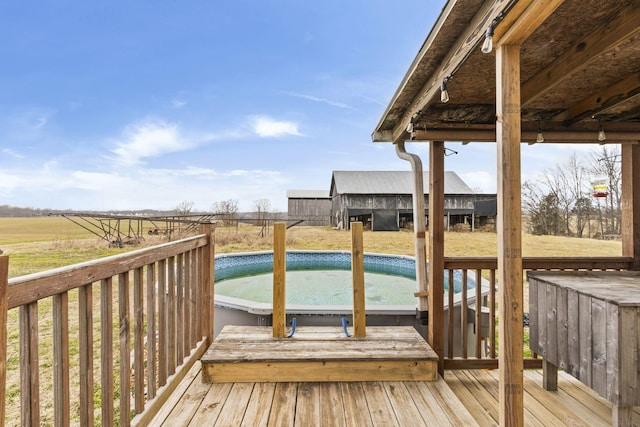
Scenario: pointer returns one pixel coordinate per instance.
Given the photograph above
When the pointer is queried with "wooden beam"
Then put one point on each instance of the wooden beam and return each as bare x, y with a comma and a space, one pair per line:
598, 41
436, 250
524, 22
597, 103
631, 203
279, 318
581, 137
509, 235
458, 53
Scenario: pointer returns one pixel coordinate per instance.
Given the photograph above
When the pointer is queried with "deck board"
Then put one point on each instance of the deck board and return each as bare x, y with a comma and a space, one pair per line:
461, 398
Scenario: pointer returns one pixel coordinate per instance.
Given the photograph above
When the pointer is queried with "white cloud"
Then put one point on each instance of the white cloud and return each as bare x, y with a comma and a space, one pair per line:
149, 139
178, 103
266, 127
12, 153
322, 100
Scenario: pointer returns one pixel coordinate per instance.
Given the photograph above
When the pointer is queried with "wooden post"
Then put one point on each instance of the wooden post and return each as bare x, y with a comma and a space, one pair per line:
208, 281
279, 280
509, 235
436, 251
631, 203
4, 280
357, 271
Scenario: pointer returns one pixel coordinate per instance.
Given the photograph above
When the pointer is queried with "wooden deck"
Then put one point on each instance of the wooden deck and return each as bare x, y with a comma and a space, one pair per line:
462, 398
319, 354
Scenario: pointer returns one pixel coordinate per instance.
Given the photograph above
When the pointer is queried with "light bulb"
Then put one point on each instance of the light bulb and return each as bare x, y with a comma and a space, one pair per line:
487, 46
601, 134
539, 137
444, 94
410, 126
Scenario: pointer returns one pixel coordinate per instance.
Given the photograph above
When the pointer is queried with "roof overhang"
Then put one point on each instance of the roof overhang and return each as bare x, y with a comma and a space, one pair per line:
580, 69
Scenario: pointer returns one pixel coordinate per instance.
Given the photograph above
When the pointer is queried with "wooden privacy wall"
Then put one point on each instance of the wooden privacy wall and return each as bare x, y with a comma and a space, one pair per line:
147, 314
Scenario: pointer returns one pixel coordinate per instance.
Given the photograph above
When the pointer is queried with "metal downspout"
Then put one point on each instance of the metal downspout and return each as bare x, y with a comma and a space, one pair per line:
419, 226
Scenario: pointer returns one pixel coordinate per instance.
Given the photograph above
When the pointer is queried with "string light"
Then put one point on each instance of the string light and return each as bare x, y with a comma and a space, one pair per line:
487, 45
539, 136
444, 93
601, 135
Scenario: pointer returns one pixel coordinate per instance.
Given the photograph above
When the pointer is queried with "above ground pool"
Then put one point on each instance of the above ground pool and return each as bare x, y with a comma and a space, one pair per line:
319, 278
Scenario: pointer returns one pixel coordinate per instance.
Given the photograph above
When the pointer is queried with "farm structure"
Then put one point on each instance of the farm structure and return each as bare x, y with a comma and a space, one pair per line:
383, 201
311, 207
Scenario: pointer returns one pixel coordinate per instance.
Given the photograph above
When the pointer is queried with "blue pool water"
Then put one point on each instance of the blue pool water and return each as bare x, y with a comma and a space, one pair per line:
320, 277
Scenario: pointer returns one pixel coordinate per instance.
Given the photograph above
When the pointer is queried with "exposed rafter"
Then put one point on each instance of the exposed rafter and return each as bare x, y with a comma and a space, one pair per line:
603, 39
598, 103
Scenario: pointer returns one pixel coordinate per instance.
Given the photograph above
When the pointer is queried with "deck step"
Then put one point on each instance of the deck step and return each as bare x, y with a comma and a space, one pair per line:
319, 354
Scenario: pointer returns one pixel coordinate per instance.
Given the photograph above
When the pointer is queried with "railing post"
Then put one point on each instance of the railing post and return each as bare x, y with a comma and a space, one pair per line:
4, 280
207, 286
357, 271
279, 280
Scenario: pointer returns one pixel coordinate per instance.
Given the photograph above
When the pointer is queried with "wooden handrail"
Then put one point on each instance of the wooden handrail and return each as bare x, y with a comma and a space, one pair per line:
33, 287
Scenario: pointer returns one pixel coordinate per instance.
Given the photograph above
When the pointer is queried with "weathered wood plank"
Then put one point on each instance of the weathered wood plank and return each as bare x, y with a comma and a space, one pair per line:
85, 353
29, 372
125, 348
561, 328
279, 318
355, 401
573, 333
163, 371
171, 316
212, 405
403, 405
138, 340
316, 333
259, 406
151, 331
180, 330
284, 403
463, 314
586, 343
357, 271
235, 404
599, 345
382, 413
458, 384
320, 371
331, 404
308, 404
61, 359
106, 351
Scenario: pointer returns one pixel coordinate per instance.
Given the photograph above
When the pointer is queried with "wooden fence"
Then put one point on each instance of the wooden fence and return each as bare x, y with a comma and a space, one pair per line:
163, 303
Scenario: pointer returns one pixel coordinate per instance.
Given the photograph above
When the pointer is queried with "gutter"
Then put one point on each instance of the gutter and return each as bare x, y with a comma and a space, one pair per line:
419, 227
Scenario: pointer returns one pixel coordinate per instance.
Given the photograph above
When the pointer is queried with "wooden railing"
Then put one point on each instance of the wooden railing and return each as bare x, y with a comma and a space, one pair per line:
481, 315
163, 297
162, 301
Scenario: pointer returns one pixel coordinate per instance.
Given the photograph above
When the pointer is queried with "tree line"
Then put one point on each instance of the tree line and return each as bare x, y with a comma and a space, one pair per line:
562, 200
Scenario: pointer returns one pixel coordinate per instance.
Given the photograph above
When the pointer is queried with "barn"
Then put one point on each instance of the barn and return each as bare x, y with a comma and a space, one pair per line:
309, 207
382, 200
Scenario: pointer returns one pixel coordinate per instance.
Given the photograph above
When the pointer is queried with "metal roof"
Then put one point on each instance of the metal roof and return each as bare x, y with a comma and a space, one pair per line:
308, 194
390, 182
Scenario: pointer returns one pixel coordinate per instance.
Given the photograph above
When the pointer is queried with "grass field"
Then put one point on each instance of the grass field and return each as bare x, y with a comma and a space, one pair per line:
41, 243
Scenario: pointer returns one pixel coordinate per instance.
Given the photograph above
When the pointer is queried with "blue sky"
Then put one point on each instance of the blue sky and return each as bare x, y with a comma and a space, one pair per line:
146, 104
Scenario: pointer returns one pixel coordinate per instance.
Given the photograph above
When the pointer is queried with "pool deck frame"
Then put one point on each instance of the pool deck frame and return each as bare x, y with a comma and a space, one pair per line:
318, 354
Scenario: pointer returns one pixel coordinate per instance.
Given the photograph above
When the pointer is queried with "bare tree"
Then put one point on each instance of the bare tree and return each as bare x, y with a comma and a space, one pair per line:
262, 208
184, 208
606, 164
227, 210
